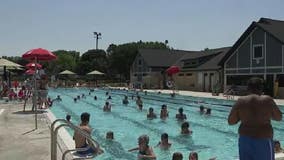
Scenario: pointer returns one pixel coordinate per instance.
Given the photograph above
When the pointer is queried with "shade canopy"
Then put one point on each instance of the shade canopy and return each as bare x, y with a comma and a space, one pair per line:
9, 64
67, 72
39, 54
95, 72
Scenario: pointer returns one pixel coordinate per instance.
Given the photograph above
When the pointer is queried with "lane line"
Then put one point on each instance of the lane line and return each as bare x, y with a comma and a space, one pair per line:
1, 111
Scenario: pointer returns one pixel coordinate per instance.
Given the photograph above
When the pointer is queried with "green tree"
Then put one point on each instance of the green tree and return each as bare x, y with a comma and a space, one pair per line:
93, 60
66, 60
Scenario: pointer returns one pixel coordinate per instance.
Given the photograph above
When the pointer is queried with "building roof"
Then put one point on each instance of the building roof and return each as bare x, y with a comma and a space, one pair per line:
167, 58
273, 27
212, 63
161, 57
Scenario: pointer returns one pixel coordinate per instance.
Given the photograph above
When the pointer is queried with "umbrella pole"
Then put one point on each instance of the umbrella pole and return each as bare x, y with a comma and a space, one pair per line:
35, 95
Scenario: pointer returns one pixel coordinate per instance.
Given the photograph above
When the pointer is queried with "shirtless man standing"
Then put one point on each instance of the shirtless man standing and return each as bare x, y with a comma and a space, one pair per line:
255, 111
81, 141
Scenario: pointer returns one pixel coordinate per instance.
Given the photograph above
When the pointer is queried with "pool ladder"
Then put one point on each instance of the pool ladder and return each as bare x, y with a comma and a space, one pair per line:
54, 132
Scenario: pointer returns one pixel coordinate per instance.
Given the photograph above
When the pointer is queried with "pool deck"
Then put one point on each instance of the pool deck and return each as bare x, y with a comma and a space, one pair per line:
19, 139
205, 95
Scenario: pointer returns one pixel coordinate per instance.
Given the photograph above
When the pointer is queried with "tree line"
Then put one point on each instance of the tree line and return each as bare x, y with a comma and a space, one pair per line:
116, 60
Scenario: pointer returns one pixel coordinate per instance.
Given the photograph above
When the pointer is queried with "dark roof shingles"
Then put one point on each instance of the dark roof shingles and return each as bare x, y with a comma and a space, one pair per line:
161, 57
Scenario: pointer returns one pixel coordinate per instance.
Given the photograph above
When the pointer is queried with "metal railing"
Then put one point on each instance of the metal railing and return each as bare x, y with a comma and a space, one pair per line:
54, 132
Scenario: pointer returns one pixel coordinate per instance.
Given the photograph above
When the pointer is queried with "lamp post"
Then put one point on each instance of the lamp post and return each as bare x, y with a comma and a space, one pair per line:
97, 37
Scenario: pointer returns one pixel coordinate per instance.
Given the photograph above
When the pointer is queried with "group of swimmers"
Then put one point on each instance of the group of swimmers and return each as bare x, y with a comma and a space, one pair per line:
144, 150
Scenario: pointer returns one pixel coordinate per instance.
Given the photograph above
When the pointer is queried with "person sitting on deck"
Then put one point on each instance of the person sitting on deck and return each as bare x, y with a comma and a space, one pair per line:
5, 90
21, 93
81, 141
12, 94
49, 102
109, 97
185, 129
75, 100
164, 143
125, 100
180, 116
95, 98
107, 107
164, 112
151, 114
145, 151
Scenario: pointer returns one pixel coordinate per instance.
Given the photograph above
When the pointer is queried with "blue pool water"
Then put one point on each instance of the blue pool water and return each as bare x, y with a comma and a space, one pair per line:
212, 136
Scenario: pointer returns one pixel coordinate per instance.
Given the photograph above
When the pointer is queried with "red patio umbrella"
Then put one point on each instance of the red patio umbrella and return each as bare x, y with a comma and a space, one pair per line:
33, 65
35, 55
173, 70
39, 54
30, 71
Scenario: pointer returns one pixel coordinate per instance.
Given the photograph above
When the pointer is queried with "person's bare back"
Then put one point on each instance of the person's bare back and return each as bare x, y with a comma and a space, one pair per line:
80, 140
255, 112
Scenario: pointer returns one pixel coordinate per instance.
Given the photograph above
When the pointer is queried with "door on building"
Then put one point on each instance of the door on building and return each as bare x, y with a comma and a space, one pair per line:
211, 81
268, 86
205, 82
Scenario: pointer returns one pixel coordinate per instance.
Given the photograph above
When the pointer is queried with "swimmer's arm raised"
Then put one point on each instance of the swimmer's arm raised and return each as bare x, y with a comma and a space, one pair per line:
234, 114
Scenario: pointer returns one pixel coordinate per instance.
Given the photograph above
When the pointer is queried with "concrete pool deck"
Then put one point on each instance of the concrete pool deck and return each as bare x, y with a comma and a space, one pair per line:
204, 95
19, 140
18, 137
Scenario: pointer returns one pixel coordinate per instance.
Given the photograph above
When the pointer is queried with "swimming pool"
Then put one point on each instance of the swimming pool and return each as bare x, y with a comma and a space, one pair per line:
211, 137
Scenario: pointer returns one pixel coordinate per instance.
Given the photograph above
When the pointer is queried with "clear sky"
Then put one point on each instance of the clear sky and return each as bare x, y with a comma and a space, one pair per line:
69, 24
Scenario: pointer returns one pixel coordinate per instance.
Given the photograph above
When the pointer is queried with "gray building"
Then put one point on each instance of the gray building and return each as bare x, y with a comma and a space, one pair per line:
258, 52
150, 64
199, 69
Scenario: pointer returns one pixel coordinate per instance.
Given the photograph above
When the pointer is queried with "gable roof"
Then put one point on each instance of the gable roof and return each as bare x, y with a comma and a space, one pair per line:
212, 63
204, 53
167, 58
273, 27
161, 57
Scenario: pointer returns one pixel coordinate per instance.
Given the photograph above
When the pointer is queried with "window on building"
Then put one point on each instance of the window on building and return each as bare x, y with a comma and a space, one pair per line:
181, 74
258, 51
189, 74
